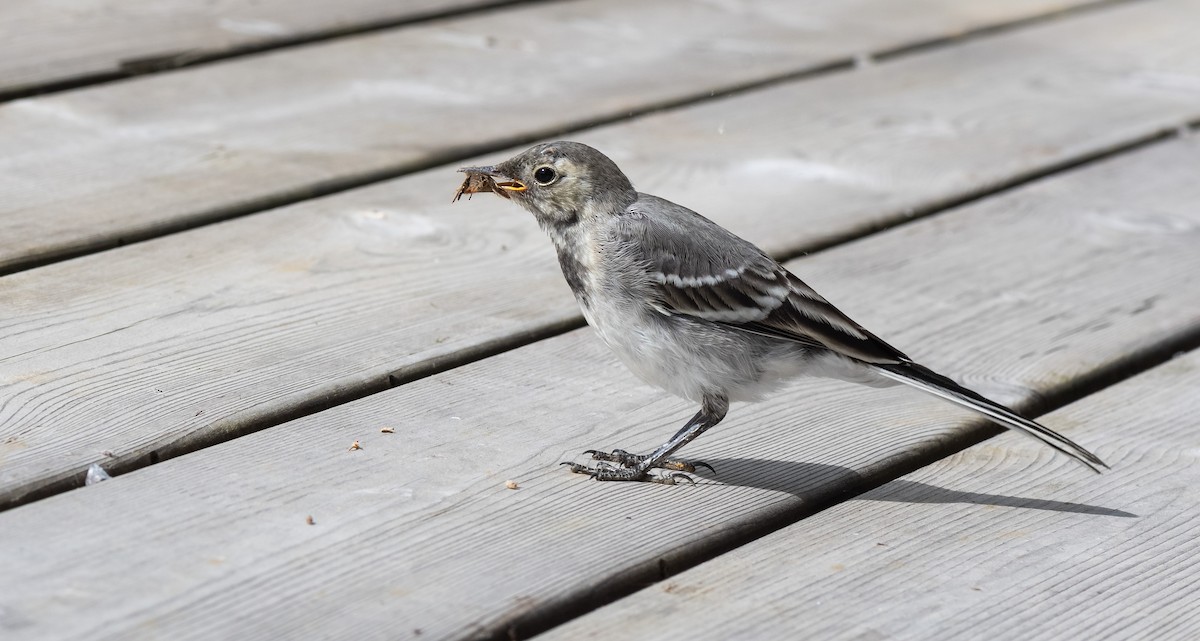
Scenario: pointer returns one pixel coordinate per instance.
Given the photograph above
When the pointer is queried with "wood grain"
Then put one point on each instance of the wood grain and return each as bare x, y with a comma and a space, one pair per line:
50, 43
163, 347
415, 535
100, 167
1000, 541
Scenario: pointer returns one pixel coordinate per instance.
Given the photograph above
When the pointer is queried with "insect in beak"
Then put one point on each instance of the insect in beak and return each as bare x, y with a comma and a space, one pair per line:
482, 180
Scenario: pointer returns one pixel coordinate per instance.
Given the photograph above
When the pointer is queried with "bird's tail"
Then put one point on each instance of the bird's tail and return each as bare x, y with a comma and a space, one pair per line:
929, 381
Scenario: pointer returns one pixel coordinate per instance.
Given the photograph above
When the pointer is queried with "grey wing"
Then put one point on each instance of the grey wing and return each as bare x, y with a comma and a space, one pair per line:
700, 269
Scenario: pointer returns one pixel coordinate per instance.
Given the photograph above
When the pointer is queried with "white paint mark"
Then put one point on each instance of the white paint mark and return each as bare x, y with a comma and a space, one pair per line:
1169, 80
800, 169
396, 224
1142, 222
412, 90
253, 27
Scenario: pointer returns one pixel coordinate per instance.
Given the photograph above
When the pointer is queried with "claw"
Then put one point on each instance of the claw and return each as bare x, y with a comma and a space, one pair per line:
578, 468
685, 466
673, 479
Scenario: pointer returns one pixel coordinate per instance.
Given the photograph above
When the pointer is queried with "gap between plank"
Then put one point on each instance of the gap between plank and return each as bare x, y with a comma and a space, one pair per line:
454, 154
160, 63
272, 415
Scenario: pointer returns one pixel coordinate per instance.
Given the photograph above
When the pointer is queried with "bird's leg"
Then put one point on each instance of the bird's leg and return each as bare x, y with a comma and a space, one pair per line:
637, 468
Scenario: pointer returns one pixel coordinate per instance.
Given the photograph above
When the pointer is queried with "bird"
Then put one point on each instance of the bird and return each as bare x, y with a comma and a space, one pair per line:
693, 309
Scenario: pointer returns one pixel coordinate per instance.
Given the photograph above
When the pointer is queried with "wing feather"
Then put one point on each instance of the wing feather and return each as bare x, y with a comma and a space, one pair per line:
722, 278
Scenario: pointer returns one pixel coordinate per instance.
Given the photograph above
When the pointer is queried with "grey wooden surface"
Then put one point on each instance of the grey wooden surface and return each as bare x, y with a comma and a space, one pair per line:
50, 43
98, 167
1024, 296
165, 346
999, 542
1034, 295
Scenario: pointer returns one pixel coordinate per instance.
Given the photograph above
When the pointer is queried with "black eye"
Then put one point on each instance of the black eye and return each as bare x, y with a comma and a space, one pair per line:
544, 175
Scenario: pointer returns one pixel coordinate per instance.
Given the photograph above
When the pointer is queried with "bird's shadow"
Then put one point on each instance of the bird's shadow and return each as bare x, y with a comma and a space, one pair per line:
819, 483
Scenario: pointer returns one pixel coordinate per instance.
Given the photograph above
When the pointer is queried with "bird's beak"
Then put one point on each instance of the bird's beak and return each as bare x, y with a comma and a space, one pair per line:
510, 184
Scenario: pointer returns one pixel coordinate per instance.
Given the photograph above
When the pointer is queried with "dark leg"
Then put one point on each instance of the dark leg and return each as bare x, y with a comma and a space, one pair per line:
712, 410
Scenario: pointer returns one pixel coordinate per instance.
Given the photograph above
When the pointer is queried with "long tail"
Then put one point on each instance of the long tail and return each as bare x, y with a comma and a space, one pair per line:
927, 380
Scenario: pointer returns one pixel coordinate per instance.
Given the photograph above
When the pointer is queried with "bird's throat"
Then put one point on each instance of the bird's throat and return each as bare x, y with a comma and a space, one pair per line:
575, 250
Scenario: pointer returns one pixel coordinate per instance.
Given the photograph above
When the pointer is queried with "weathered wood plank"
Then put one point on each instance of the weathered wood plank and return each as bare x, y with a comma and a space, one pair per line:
1023, 296
95, 168
999, 538
161, 347
51, 43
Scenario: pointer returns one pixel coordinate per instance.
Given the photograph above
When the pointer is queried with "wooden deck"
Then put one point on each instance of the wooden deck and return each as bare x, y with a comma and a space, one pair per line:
227, 252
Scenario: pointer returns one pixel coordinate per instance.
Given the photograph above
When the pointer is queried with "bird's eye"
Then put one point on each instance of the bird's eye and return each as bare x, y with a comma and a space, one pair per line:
545, 175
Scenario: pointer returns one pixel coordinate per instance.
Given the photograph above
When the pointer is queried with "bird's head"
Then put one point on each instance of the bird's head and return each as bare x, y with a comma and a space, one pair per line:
561, 182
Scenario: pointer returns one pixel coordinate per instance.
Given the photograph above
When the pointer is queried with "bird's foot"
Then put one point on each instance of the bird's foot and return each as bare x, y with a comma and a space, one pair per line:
631, 467
630, 461
605, 472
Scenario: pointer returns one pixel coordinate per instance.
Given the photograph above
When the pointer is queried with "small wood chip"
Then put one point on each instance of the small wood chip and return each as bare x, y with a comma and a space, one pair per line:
354, 446
512, 485
386, 430
309, 520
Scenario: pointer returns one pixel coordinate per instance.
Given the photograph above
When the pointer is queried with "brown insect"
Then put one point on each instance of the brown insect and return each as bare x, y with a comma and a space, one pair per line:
480, 180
